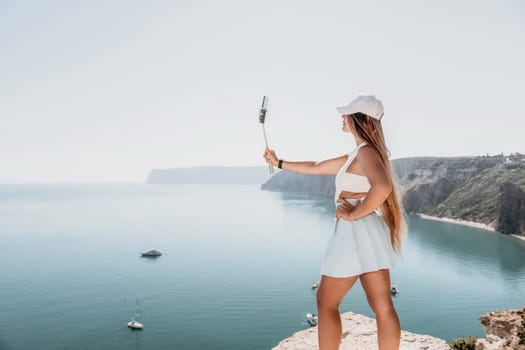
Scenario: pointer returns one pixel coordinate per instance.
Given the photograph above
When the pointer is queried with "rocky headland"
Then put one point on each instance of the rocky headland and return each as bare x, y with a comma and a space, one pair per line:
209, 175
488, 190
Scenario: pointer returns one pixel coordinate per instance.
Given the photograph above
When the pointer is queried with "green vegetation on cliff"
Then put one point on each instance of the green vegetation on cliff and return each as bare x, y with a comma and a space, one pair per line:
478, 198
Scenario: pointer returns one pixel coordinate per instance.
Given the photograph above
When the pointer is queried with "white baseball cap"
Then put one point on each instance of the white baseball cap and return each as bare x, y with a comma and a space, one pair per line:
366, 104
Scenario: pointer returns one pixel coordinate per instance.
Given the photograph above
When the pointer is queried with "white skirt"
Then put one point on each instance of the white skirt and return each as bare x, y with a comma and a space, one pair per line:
359, 246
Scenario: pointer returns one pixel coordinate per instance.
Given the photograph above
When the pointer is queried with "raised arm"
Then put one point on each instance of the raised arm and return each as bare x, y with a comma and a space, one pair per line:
325, 167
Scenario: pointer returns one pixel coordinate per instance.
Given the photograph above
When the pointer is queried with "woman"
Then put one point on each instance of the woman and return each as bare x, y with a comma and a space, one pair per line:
370, 225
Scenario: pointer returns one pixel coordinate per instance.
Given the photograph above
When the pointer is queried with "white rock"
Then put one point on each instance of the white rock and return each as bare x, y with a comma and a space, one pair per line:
360, 332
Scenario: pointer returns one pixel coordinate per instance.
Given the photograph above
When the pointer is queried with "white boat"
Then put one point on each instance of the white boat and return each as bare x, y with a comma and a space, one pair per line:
151, 252
315, 285
311, 319
393, 289
134, 324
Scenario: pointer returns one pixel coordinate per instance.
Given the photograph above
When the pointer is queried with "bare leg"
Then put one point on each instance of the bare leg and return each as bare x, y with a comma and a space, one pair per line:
329, 296
377, 288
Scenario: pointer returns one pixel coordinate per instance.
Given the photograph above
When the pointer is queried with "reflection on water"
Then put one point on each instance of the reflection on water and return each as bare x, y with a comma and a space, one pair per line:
479, 247
299, 199
137, 334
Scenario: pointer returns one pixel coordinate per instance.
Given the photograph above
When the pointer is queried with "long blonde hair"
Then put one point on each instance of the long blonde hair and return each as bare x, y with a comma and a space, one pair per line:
370, 130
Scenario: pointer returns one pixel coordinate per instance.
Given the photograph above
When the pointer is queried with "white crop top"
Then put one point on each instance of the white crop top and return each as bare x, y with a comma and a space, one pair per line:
348, 181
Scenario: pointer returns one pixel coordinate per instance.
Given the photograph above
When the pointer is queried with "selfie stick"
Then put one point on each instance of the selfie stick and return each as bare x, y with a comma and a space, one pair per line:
262, 116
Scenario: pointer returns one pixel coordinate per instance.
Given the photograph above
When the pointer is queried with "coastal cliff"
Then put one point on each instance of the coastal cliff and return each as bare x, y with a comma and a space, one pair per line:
487, 189
360, 332
512, 209
286, 181
209, 175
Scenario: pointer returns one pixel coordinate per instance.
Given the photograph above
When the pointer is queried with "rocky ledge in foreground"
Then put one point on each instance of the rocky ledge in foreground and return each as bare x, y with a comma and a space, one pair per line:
360, 332
504, 329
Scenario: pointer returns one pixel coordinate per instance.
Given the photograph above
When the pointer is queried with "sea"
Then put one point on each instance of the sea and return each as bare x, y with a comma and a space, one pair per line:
236, 269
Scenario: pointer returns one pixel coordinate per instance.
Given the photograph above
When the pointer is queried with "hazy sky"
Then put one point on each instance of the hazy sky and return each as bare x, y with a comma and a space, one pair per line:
104, 91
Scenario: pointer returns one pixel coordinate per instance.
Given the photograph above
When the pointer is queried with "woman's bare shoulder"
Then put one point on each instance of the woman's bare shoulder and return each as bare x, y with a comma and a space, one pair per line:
367, 152
371, 163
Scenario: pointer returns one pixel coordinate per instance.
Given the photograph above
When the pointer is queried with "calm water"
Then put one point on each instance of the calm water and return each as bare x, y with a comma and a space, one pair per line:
236, 272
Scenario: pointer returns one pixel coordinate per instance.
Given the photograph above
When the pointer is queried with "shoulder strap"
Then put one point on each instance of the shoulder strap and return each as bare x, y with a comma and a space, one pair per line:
353, 154
361, 145
356, 150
